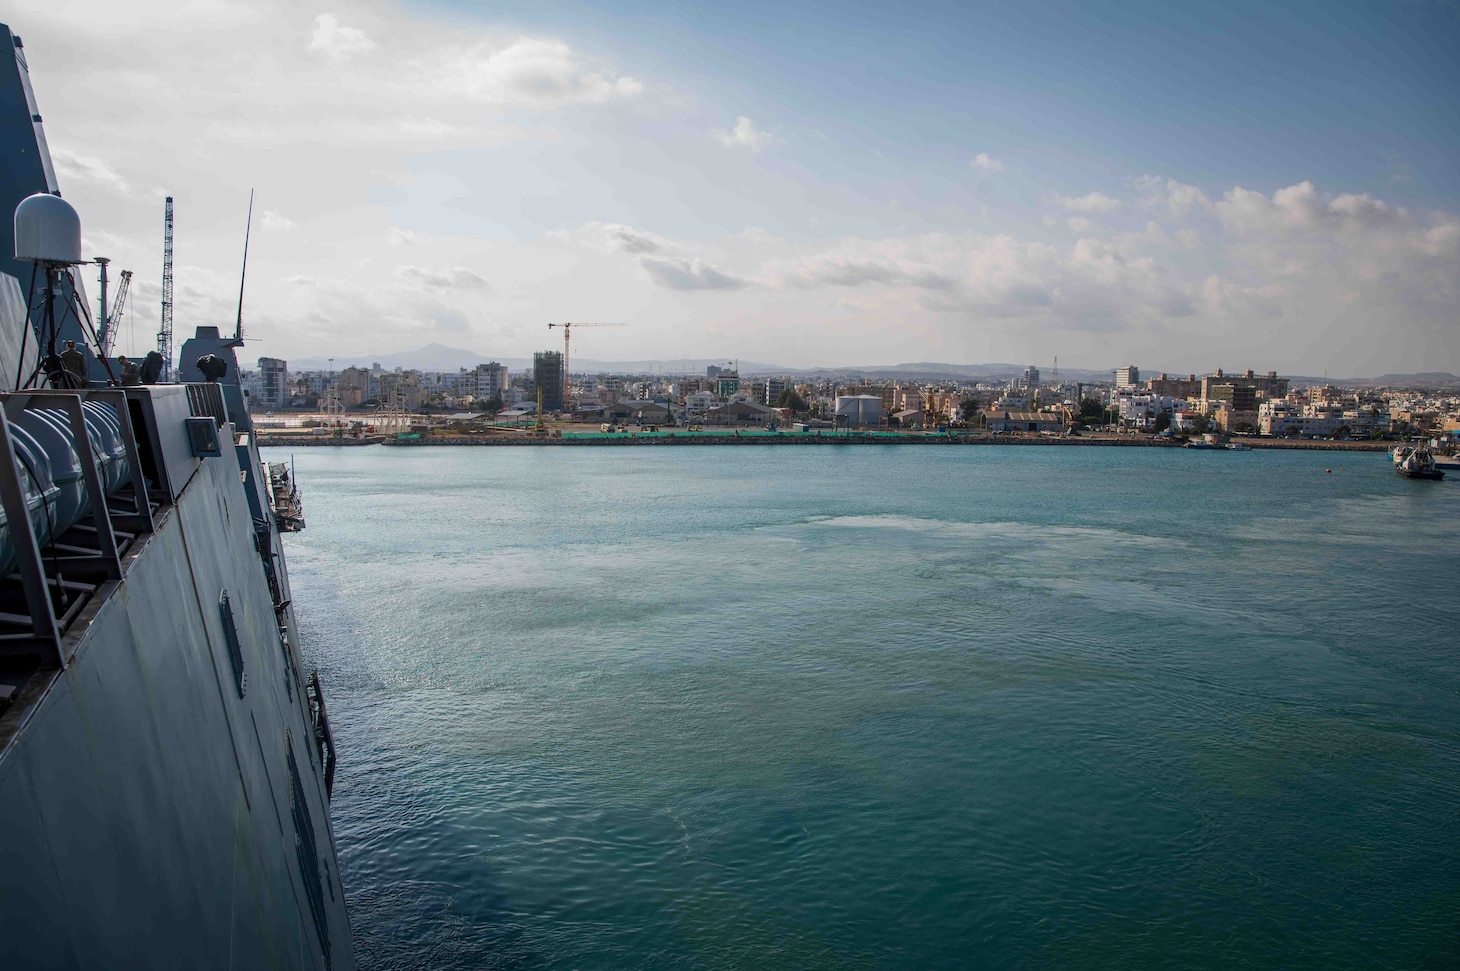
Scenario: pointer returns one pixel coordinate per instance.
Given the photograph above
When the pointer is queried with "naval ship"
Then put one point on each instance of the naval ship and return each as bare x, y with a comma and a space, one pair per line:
165, 759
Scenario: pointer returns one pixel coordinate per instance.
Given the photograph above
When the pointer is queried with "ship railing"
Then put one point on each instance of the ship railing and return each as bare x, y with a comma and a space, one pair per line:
60, 558
323, 740
205, 400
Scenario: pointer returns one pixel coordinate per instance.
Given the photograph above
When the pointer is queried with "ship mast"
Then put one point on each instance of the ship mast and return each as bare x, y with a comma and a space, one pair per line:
248, 228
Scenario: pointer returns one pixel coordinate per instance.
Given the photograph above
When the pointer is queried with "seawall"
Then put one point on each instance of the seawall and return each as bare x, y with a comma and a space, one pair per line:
796, 439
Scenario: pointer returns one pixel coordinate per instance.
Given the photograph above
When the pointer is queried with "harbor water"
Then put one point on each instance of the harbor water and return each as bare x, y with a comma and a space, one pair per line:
891, 707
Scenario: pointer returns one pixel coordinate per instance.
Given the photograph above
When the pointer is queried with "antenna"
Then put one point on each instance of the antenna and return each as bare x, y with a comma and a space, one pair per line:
102, 262
48, 236
238, 327
164, 332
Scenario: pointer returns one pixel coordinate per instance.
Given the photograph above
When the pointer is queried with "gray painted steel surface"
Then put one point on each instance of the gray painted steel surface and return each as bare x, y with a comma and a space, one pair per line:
163, 795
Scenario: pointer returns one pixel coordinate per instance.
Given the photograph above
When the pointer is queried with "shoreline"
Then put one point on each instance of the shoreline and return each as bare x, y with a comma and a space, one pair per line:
789, 439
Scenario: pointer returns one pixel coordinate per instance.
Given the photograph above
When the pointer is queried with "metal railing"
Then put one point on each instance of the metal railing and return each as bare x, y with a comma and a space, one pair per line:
55, 572
205, 400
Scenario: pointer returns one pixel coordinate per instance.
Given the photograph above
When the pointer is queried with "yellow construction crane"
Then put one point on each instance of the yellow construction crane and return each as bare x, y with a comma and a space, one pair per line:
539, 430
567, 335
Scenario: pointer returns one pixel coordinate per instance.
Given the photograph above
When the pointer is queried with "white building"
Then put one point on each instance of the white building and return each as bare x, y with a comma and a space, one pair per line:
773, 389
1280, 417
273, 383
488, 380
1141, 410
696, 404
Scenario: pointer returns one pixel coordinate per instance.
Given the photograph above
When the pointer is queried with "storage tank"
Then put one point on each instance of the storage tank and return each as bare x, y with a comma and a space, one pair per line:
871, 410
860, 410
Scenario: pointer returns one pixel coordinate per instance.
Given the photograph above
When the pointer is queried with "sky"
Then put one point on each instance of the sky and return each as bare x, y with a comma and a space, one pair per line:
1179, 186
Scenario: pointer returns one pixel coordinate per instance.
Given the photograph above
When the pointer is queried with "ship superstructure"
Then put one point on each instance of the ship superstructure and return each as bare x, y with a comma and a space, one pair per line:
165, 759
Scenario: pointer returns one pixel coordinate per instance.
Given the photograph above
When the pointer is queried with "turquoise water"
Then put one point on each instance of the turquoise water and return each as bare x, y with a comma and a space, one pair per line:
894, 707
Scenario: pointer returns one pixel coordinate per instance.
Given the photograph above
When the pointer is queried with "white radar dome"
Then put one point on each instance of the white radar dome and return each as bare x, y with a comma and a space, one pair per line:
47, 230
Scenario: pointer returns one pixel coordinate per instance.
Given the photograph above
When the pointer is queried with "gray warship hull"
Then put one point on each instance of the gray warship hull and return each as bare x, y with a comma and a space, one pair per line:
165, 758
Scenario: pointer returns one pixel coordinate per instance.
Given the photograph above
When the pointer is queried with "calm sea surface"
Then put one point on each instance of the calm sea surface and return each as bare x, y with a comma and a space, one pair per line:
888, 707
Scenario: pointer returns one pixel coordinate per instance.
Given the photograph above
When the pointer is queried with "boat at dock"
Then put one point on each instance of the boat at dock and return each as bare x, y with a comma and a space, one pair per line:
1418, 463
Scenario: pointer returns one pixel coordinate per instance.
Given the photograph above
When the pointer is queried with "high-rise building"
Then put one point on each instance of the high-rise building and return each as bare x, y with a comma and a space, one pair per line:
1031, 377
1128, 377
353, 384
273, 383
547, 375
489, 380
1188, 387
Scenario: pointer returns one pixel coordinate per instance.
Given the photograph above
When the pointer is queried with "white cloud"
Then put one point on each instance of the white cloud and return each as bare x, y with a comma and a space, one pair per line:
678, 274
984, 162
443, 277
453, 128
276, 222
613, 237
744, 135
84, 168
336, 41
528, 72
1302, 209
1097, 203
1177, 198
670, 266
858, 268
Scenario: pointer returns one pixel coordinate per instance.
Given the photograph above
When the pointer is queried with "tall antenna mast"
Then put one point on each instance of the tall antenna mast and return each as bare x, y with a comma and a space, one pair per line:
238, 328
164, 333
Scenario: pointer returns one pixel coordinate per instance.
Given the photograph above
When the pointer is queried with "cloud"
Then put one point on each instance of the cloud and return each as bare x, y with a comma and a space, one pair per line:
275, 222
1079, 224
336, 41
1177, 198
985, 162
1302, 209
678, 274
528, 72
404, 237
669, 267
443, 278
849, 271
84, 168
613, 237
744, 135
1095, 202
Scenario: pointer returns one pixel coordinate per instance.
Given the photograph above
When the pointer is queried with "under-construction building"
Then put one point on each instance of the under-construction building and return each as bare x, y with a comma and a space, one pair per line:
547, 375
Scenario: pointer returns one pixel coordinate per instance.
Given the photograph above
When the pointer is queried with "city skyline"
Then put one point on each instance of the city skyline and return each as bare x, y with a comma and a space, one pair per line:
1087, 182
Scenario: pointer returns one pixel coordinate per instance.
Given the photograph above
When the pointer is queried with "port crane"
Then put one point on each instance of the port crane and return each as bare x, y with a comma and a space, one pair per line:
113, 321
164, 332
567, 335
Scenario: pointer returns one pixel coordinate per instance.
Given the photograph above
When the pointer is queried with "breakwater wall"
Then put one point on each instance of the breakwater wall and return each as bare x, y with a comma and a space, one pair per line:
838, 440
789, 439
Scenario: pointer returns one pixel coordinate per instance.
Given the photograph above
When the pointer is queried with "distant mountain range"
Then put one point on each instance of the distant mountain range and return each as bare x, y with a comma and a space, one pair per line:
439, 357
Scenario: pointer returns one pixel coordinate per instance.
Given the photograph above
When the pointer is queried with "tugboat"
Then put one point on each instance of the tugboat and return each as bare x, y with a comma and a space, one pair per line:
1419, 463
